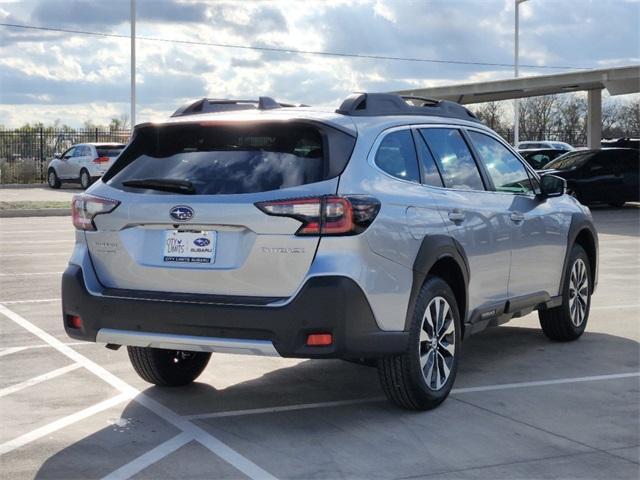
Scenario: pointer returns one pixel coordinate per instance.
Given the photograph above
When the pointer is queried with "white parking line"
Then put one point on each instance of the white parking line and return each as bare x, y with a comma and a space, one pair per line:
455, 391
612, 307
219, 448
39, 300
20, 232
22, 274
37, 242
49, 254
40, 378
29, 437
10, 350
152, 456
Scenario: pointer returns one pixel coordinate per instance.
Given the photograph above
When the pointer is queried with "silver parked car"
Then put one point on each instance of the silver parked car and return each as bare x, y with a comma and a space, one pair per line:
83, 163
384, 232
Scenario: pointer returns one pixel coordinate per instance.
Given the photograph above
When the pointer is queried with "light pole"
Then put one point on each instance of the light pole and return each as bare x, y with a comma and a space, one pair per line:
516, 109
133, 63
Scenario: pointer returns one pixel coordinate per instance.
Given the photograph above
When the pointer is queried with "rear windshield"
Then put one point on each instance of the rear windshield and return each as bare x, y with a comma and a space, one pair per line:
109, 151
233, 159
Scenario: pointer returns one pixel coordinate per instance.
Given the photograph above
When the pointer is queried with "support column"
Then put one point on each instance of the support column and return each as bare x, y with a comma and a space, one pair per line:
594, 118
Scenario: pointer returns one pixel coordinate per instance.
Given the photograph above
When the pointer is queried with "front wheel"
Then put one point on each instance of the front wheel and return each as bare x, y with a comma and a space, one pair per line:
52, 179
422, 377
167, 368
568, 321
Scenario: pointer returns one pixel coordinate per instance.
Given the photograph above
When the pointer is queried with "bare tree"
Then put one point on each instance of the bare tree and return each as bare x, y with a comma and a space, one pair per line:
630, 118
536, 116
491, 114
569, 120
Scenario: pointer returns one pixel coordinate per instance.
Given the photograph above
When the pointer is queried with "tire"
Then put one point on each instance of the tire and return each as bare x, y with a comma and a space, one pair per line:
85, 179
52, 179
167, 368
410, 380
568, 321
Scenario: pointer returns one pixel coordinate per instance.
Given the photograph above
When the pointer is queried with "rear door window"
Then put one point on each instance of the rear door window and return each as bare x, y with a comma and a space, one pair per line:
396, 156
507, 172
430, 174
233, 158
454, 159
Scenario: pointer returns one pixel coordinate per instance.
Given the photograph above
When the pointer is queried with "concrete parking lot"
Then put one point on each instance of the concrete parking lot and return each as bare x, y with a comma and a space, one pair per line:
523, 407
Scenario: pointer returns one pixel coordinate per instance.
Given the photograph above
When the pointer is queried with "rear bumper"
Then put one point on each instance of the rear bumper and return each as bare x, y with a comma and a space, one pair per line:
330, 304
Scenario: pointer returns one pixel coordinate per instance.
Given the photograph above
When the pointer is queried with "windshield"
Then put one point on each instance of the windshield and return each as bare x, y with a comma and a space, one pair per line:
569, 161
225, 159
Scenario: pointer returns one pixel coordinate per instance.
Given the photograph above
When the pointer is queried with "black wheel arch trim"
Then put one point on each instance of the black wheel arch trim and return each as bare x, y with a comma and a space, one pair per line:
581, 222
433, 249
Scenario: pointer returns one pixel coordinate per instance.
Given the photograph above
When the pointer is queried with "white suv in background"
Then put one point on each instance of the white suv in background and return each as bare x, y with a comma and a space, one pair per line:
82, 163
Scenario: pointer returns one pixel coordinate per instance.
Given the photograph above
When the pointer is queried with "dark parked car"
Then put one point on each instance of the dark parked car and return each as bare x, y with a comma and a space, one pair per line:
622, 142
538, 158
609, 175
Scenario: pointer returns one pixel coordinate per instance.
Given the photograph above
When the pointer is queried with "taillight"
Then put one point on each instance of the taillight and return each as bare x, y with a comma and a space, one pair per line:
84, 209
326, 215
101, 160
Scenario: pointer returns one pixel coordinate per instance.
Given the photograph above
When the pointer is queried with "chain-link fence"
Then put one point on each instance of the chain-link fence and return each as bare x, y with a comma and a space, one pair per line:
25, 153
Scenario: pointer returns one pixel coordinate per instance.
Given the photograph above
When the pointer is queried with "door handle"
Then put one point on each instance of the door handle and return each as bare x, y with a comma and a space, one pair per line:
456, 216
516, 217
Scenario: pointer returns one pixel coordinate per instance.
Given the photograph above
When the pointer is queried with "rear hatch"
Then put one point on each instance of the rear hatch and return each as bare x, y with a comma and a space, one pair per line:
187, 220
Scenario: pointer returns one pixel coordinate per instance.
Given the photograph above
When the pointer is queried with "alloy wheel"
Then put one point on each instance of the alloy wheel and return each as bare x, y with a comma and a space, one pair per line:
437, 343
578, 292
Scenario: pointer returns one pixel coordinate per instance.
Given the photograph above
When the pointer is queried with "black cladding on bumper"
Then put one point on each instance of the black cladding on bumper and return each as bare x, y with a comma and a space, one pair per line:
331, 304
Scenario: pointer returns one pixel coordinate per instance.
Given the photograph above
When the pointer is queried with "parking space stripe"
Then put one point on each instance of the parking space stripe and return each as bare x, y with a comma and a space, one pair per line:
49, 254
216, 446
21, 274
10, 350
40, 378
455, 391
612, 307
152, 456
29, 437
39, 300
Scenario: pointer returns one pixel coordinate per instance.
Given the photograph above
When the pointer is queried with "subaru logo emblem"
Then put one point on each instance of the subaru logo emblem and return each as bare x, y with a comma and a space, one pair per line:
201, 242
181, 213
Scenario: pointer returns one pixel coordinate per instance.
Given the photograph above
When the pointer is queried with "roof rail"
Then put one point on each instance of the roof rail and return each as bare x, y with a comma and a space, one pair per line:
375, 104
209, 105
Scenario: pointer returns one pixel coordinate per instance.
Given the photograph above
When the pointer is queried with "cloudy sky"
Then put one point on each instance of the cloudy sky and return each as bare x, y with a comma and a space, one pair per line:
46, 76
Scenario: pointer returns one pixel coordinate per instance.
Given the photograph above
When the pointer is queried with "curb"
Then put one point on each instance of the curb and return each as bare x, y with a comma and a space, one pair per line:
35, 212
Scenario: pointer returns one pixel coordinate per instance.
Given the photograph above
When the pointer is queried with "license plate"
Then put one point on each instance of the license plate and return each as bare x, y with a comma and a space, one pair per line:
190, 246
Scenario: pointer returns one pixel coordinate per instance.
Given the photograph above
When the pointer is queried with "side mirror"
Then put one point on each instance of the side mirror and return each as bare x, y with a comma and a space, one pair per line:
57, 155
552, 186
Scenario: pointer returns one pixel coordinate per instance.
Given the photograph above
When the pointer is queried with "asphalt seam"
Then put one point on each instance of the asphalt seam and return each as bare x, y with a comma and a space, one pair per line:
549, 432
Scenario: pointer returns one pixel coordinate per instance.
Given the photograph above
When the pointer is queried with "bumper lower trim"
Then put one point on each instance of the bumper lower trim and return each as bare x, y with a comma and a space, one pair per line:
187, 342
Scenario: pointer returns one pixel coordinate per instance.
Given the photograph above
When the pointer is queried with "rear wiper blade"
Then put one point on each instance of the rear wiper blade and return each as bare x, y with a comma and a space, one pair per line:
162, 184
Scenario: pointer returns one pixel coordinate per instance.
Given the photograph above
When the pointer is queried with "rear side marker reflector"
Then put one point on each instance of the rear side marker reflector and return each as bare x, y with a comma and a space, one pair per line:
101, 160
326, 215
74, 321
319, 339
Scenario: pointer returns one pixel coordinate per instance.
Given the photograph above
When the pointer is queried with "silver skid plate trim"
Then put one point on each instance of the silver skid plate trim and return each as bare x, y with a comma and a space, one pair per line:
187, 342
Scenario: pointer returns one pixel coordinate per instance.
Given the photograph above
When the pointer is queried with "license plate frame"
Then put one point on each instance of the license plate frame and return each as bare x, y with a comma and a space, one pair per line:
190, 246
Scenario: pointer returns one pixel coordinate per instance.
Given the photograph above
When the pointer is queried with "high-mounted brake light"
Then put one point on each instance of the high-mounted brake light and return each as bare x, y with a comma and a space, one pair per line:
84, 209
326, 215
101, 160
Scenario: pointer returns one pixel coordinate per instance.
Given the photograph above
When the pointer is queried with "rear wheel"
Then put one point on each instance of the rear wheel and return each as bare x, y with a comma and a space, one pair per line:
167, 368
422, 377
85, 179
568, 321
52, 179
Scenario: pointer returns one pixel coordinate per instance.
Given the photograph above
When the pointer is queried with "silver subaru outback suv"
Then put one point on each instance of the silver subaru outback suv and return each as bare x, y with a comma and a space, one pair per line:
384, 232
